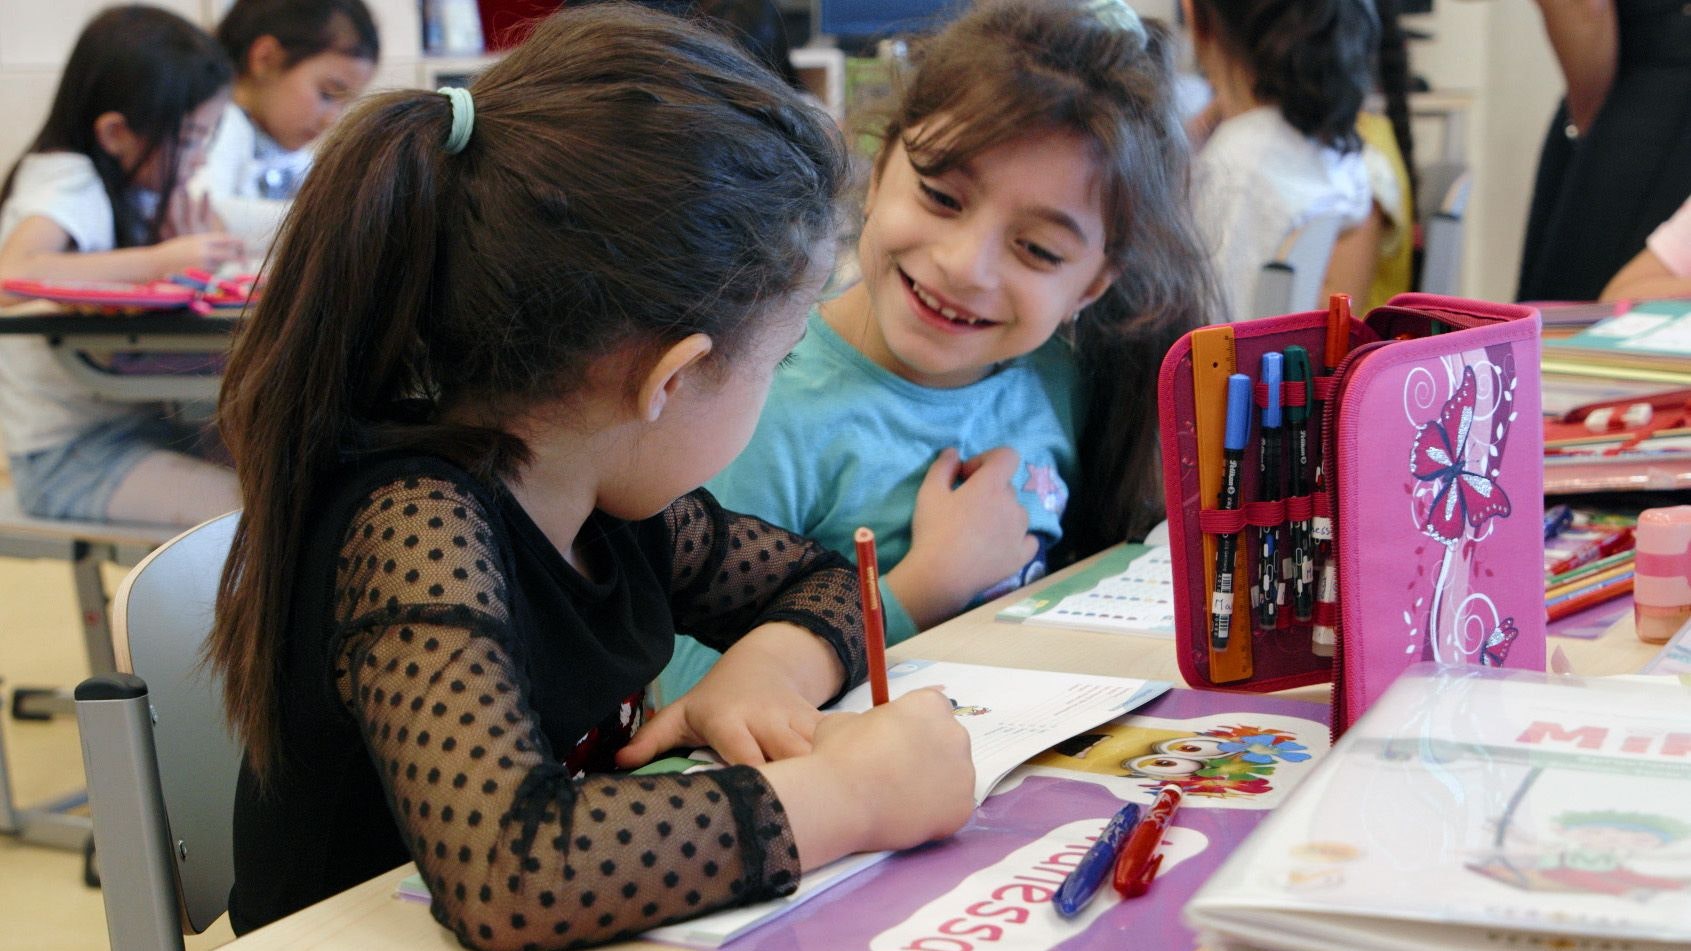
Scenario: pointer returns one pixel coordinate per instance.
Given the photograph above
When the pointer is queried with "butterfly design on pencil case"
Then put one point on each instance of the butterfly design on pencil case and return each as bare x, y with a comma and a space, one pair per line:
1462, 497
1496, 647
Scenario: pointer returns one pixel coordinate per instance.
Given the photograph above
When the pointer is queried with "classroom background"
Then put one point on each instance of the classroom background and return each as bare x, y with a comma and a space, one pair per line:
1493, 80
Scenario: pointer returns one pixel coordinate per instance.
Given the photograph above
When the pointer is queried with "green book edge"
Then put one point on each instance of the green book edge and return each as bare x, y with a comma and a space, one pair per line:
1113, 562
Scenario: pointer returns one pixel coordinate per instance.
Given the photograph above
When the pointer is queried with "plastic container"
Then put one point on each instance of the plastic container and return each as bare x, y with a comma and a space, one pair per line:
1661, 593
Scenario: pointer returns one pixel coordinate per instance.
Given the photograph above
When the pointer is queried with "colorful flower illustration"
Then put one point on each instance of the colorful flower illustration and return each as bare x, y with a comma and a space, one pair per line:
1265, 748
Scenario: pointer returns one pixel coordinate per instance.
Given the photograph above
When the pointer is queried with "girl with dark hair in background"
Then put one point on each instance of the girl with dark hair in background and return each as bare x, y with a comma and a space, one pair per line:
97, 197
298, 64
512, 328
1289, 78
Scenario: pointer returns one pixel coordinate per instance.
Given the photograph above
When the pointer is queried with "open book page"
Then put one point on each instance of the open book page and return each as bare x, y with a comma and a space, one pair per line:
1474, 801
1130, 591
1012, 714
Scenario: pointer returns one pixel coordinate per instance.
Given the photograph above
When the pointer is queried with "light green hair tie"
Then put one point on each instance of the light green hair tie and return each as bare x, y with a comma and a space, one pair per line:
463, 118
1117, 14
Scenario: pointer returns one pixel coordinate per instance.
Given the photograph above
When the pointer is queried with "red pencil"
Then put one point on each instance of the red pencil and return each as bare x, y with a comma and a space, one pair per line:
874, 619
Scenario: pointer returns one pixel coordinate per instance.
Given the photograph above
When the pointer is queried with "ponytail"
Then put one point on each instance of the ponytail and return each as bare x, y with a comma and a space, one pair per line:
416, 286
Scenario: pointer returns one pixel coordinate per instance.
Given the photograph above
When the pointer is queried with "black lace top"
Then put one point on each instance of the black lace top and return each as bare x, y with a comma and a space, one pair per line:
454, 690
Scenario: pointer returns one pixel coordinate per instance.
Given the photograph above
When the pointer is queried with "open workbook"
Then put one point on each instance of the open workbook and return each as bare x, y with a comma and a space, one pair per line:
1011, 715
1472, 809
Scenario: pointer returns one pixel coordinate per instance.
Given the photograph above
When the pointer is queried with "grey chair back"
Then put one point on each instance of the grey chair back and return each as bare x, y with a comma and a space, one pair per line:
1292, 281
1447, 186
161, 764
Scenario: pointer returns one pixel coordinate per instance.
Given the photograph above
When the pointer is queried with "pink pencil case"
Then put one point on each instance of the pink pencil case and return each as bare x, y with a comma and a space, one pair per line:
1433, 442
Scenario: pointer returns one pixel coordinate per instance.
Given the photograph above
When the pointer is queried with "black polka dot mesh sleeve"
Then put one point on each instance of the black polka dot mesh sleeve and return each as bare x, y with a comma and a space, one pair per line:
516, 853
733, 572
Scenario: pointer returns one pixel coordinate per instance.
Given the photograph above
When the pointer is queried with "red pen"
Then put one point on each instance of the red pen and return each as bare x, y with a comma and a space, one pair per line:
1142, 855
874, 620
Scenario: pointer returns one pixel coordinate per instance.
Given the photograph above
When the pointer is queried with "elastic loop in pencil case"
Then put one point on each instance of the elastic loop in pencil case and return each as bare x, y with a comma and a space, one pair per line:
1327, 613
1324, 387
1301, 508
1291, 395
1259, 514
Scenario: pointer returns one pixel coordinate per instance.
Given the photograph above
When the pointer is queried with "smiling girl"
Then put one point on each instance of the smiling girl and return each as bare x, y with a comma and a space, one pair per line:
1027, 257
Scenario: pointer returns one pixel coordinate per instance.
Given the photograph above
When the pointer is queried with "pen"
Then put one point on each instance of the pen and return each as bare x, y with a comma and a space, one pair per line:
1556, 520
874, 621
1142, 855
1233, 460
1082, 883
1297, 484
1592, 550
1267, 595
1323, 637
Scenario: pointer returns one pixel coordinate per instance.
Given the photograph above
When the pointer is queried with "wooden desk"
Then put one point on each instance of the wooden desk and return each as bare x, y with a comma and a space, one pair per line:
369, 918
72, 337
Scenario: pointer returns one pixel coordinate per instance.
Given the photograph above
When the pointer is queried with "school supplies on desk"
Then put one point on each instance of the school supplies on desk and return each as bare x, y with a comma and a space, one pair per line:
1011, 715
1097, 864
1474, 808
874, 618
1129, 590
1142, 855
1429, 481
199, 291
1651, 336
992, 884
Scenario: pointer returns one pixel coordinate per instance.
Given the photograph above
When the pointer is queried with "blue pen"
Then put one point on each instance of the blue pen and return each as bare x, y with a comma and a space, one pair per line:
1557, 518
1267, 594
1088, 876
1226, 546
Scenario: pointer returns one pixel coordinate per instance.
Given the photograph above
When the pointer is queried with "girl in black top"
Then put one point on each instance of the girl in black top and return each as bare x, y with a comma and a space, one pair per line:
506, 334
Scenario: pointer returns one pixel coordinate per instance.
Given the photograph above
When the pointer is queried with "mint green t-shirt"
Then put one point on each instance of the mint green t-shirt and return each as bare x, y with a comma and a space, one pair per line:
843, 442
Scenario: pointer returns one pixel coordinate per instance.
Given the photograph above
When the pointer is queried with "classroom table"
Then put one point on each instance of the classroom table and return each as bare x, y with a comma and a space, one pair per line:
368, 917
72, 337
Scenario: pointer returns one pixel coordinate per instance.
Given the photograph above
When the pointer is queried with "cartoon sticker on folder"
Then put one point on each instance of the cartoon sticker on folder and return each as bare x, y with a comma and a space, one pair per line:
1205, 759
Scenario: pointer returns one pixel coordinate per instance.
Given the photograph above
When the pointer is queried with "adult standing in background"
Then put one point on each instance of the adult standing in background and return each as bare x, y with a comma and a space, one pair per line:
1617, 160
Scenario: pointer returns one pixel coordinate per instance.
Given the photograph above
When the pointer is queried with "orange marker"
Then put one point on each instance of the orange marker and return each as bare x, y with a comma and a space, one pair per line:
874, 618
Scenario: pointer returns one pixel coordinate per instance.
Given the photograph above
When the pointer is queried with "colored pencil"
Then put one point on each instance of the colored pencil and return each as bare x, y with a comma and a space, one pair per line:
874, 618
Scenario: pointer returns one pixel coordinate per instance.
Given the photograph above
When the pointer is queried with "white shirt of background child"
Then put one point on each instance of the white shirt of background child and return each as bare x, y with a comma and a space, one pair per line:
41, 405
1258, 180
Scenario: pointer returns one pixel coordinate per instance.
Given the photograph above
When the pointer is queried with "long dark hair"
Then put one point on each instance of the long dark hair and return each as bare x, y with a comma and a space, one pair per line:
1009, 67
1311, 58
630, 180
303, 28
1395, 82
153, 68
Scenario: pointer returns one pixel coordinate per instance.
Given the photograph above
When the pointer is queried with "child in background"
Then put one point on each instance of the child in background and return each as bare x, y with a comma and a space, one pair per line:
96, 198
460, 563
298, 63
1289, 77
1028, 257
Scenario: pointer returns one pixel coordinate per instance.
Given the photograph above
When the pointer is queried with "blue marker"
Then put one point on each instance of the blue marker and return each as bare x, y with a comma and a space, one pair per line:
1267, 593
1082, 883
1226, 546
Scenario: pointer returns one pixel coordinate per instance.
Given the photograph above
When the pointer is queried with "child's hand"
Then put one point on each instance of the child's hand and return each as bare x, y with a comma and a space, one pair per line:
188, 215
204, 251
906, 763
965, 537
747, 708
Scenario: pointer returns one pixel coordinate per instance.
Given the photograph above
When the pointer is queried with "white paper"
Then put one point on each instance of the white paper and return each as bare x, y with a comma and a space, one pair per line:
1140, 600
1012, 714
